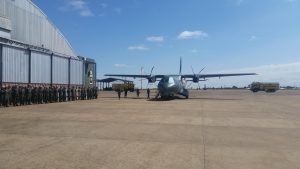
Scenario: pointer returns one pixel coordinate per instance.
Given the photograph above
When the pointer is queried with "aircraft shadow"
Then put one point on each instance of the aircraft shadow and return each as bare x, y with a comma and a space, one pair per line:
179, 98
169, 99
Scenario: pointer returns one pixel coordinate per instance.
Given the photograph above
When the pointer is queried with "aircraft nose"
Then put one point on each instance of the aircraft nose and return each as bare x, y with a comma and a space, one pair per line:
162, 86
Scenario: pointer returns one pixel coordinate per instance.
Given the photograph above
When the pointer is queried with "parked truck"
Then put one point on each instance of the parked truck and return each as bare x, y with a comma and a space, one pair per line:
262, 86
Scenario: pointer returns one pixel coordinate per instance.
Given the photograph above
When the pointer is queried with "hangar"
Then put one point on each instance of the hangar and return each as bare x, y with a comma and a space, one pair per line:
34, 51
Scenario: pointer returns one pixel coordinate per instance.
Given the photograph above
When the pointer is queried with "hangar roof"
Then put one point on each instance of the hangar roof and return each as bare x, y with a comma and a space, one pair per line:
24, 22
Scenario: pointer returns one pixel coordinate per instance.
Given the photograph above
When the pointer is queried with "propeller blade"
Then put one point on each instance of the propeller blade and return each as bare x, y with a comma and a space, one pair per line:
151, 71
201, 70
192, 70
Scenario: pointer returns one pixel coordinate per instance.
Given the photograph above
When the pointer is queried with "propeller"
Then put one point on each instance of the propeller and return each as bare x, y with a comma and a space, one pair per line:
151, 71
201, 70
197, 76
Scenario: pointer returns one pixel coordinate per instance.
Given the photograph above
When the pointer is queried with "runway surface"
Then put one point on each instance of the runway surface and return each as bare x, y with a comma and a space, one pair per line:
228, 129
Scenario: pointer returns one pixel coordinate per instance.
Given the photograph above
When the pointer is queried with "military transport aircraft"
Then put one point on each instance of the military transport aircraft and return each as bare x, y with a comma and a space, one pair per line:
171, 85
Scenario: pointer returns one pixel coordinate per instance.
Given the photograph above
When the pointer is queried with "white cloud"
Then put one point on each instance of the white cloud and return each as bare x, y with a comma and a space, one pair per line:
155, 39
118, 10
79, 6
192, 35
293, 0
103, 5
194, 51
239, 2
86, 13
118, 65
252, 38
138, 47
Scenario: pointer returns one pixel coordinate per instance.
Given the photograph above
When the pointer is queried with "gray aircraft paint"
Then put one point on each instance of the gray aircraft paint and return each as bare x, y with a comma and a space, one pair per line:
170, 85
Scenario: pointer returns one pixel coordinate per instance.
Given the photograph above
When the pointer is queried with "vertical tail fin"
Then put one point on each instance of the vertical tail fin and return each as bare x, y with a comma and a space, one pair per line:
180, 68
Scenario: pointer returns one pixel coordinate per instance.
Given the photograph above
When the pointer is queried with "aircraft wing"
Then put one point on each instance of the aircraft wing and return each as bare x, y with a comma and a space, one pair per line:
134, 76
123, 75
203, 76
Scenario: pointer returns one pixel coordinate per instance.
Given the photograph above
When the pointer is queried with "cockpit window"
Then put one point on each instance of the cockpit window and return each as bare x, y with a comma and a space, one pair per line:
166, 79
171, 80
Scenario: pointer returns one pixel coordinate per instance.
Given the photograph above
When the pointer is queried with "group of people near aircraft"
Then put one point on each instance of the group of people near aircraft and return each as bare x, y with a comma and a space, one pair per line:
19, 95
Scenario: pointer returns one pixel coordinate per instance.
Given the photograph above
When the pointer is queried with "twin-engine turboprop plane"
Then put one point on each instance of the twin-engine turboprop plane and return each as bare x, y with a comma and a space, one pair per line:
171, 85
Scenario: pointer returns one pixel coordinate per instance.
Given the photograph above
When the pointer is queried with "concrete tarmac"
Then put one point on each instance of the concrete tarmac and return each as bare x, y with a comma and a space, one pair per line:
214, 129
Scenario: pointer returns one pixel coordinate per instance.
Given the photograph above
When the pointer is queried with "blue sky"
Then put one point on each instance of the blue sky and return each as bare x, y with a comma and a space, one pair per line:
261, 36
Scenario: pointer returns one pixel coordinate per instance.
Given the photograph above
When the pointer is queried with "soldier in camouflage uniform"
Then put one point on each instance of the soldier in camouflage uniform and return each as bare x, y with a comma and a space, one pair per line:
96, 93
64, 94
1, 96
22, 95
88, 93
55, 94
40, 95
60, 95
35, 95
69, 94
84, 93
73, 93
50, 92
14, 96
28, 95
81, 93
7, 93
44, 91
47, 100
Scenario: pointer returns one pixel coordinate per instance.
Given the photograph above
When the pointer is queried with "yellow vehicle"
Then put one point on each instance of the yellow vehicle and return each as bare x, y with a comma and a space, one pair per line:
129, 86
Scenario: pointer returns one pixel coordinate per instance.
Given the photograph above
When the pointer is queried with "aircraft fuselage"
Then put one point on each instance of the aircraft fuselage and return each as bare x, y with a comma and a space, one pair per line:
169, 86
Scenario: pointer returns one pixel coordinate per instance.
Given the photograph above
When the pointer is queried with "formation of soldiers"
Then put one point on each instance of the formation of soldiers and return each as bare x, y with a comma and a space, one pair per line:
19, 95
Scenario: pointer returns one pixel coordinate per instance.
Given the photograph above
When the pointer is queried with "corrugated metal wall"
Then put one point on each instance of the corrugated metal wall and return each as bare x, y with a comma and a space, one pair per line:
1, 63
31, 26
40, 67
76, 72
15, 67
15, 64
60, 70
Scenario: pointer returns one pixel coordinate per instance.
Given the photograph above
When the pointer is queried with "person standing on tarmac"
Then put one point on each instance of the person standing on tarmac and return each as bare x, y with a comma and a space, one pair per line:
55, 94
34, 95
22, 95
7, 93
60, 94
44, 90
125, 93
69, 93
7, 96
81, 93
50, 91
40, 93
73, 93
148, 93
64, 94
96, 92
28, 93
14, 96
138, 92
1, 96
119, 93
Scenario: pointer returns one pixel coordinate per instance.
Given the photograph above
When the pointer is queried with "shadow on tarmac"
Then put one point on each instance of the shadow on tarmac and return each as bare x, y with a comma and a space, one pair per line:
170, 99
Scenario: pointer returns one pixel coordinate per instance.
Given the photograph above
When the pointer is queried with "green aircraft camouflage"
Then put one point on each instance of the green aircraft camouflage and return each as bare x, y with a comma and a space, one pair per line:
171, 85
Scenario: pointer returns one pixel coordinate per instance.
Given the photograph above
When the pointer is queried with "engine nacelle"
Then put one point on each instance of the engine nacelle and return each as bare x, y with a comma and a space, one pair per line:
195, 79
152, 79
